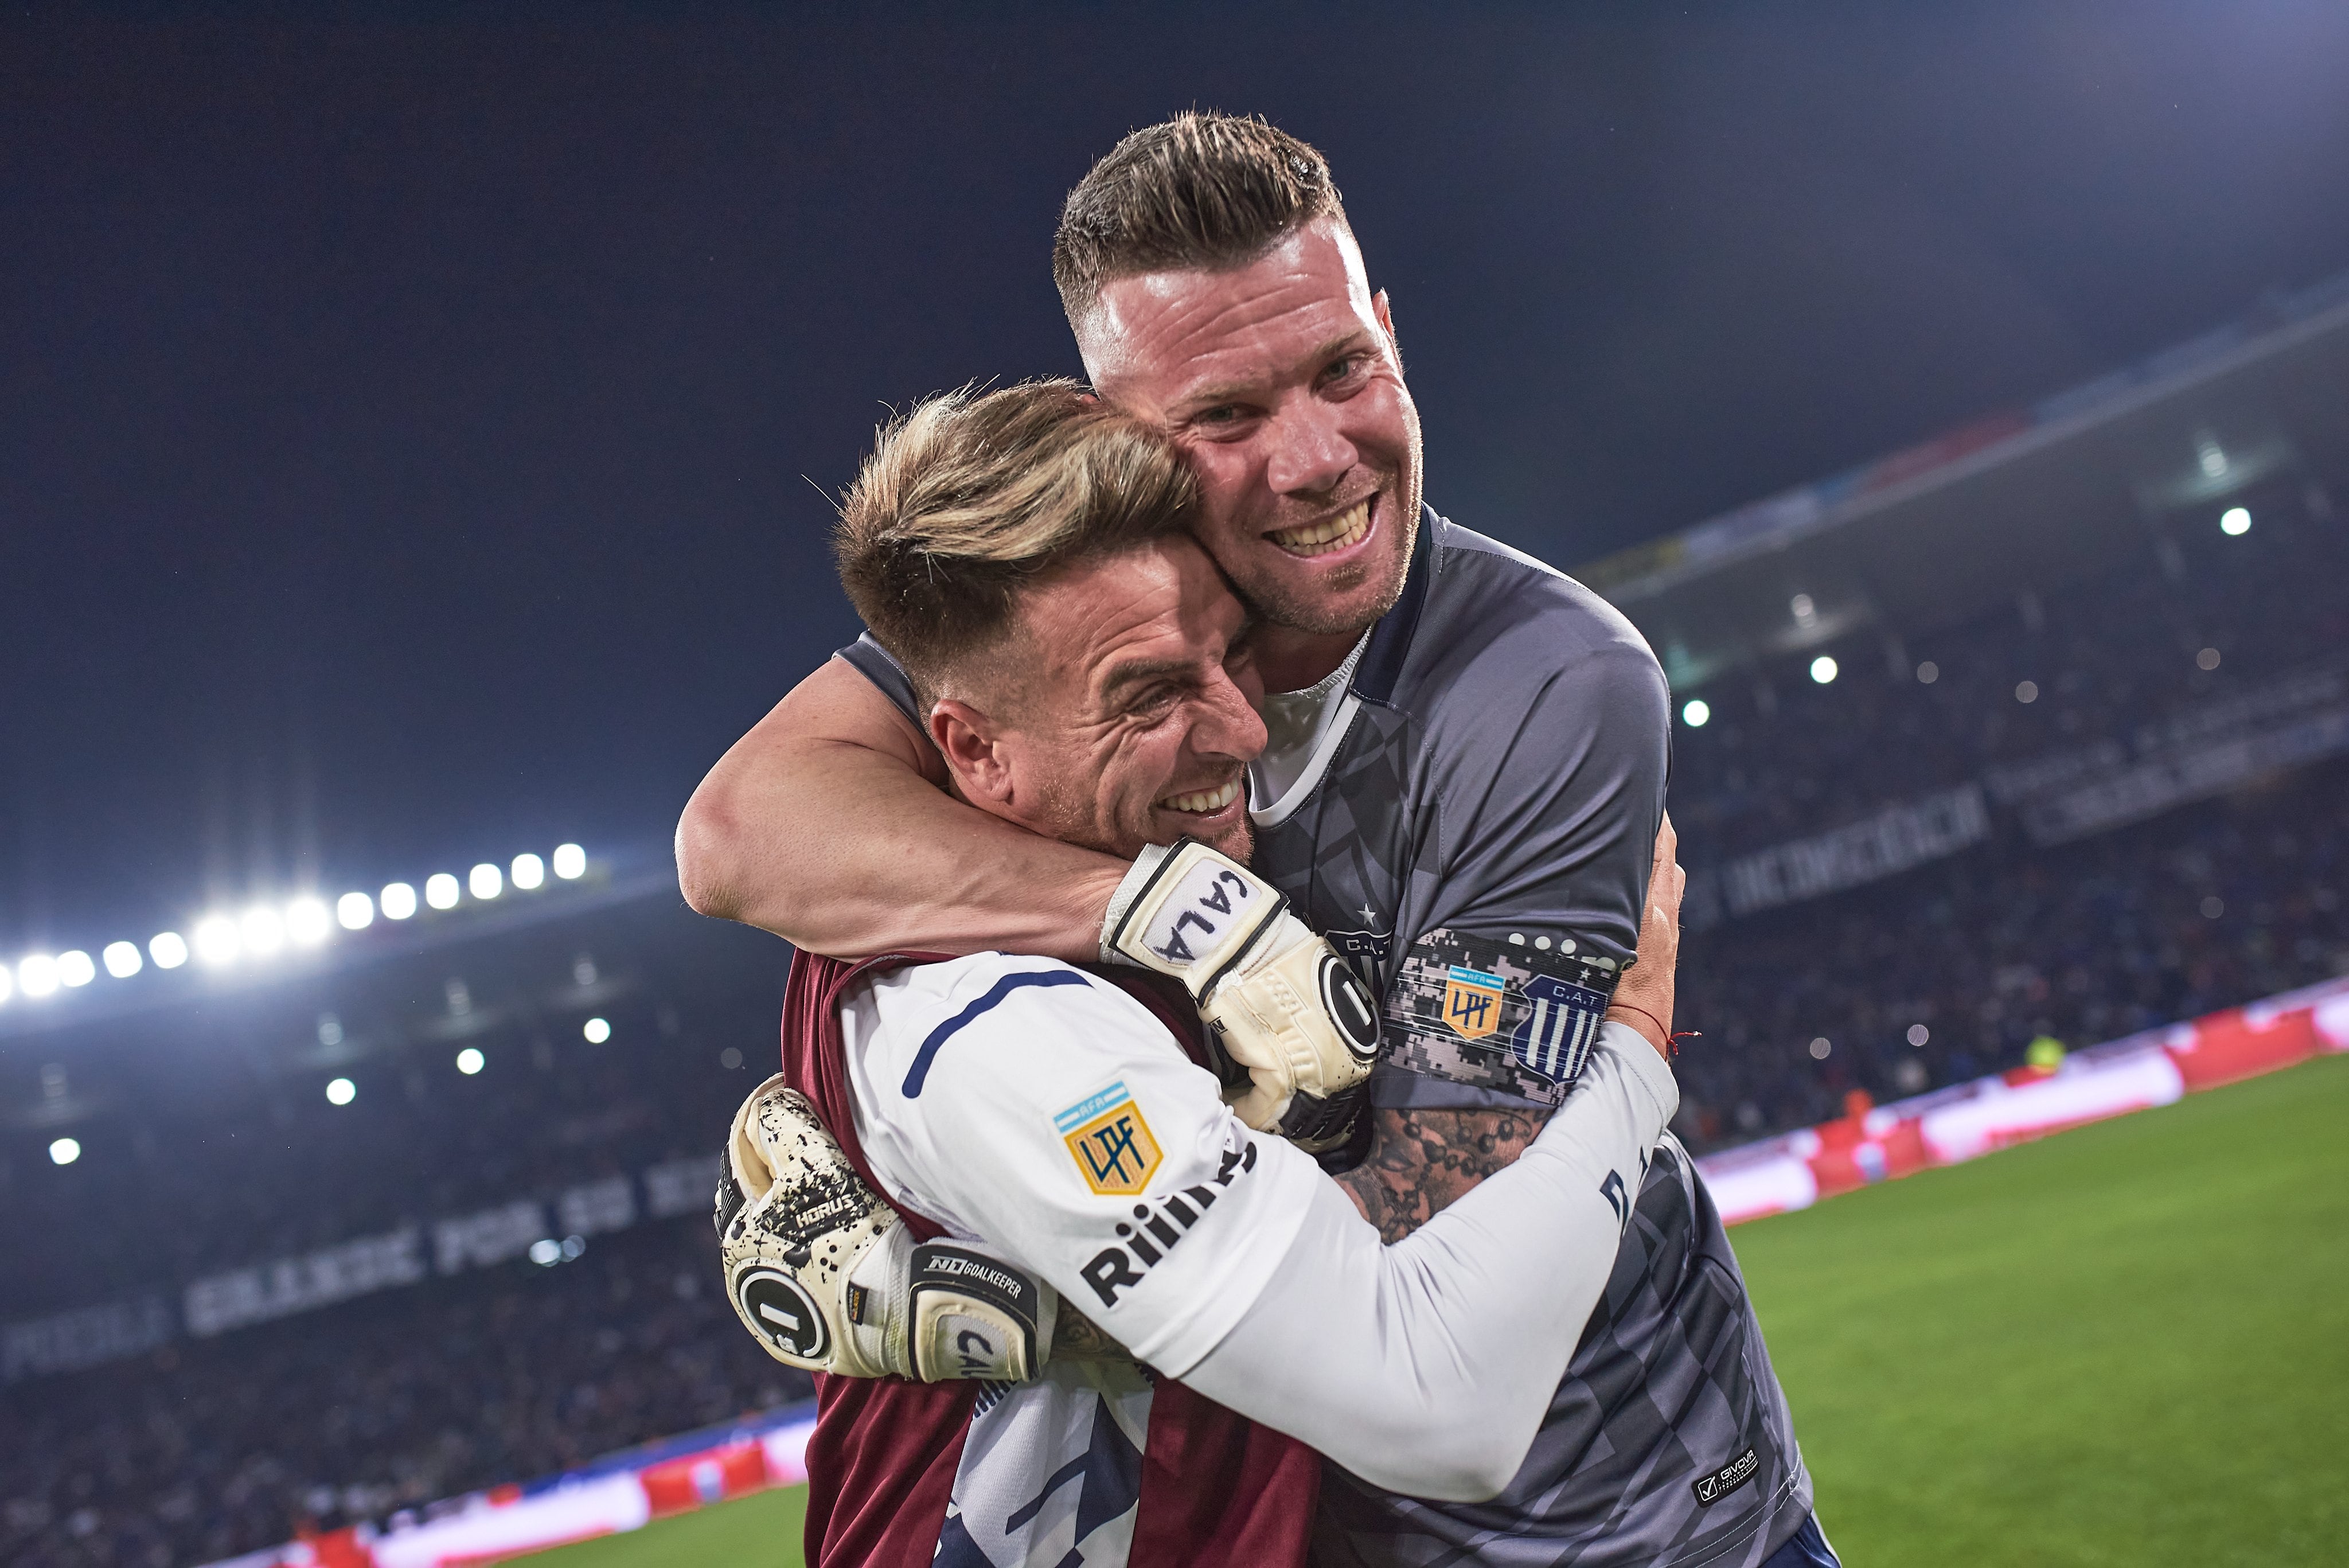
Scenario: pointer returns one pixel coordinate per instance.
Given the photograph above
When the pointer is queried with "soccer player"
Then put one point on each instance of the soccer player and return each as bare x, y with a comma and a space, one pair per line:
1465, 767
1076, 653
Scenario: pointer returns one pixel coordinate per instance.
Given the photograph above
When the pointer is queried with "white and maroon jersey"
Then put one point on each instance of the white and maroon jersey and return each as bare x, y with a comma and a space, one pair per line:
951, 1087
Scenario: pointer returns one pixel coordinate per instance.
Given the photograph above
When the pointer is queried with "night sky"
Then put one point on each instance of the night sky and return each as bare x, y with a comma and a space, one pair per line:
415, 425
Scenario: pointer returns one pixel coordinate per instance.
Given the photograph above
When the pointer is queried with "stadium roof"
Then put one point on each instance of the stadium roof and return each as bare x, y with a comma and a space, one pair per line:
2019, 500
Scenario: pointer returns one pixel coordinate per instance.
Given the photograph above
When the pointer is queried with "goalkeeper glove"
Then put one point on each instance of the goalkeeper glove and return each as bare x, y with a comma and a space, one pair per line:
826, 1277
1296, 1024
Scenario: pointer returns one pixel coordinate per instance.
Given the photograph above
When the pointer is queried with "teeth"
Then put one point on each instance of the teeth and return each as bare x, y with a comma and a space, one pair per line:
1205, 800
1320, 539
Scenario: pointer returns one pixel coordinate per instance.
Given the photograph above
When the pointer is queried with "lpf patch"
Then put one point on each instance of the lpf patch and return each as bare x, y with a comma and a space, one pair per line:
1471, 1002
1110, 1141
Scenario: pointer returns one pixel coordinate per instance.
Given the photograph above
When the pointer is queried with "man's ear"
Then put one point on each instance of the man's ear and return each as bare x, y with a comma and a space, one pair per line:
967, 739
1379, 308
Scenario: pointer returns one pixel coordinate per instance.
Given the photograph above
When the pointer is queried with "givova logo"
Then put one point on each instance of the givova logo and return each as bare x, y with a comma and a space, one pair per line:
1712, 1489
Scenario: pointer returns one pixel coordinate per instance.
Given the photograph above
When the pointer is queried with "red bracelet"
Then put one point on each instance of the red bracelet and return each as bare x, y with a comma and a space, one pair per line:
1671, 1041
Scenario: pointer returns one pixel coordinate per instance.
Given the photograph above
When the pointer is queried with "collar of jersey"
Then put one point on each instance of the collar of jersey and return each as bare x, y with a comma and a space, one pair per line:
1368, 675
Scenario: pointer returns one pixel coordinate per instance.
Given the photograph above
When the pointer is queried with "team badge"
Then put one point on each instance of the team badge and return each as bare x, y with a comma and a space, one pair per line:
1472, 1002
1110, 1143
1560, 1022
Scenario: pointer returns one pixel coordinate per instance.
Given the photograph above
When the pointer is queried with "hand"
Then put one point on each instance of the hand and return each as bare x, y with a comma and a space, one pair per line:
827, 1278
1643, 998
1280, 1002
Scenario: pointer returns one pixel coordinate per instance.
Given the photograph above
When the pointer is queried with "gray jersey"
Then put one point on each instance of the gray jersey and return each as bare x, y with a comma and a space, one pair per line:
1490, 788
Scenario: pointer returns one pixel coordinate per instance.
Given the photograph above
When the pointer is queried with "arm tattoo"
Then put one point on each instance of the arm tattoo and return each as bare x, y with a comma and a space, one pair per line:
1421, 1161
1076, 1337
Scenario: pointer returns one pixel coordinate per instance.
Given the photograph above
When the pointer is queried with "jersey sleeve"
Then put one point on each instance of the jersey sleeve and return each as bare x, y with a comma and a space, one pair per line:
1547, 832
880, 666
1046, 1112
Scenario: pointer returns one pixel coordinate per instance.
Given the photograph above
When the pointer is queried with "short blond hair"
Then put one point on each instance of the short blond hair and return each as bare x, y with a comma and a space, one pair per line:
969, 497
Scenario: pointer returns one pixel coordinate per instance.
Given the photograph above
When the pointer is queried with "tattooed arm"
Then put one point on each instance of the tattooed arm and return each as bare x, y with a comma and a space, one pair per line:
1423, 1161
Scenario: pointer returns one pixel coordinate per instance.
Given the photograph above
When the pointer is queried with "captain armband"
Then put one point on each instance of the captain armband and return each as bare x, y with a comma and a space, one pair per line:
1517, 1011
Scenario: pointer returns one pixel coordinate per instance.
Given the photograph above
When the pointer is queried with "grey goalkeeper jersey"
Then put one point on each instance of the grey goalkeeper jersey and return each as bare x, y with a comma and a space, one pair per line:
1489, 787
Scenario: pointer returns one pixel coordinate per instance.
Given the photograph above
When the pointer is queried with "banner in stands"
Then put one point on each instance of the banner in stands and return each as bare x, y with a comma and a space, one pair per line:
263, 1293
2207, 750
1892, 840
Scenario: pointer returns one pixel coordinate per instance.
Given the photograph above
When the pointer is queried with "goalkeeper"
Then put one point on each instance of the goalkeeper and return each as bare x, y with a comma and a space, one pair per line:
1084, 666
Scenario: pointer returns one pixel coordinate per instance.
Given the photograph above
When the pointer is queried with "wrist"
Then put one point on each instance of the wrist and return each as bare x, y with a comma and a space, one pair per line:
1643, 1023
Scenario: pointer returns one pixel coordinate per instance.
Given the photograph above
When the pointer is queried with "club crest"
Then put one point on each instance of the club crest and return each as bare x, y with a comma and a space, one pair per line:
1559, 1023
1471, 1002
1110, 1143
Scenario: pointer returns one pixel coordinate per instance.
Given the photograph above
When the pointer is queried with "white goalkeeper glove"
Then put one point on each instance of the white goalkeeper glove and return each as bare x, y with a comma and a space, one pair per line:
826, 1277
1279, 1002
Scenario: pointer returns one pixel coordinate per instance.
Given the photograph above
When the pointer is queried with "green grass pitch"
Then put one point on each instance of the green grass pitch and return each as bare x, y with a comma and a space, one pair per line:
2129, 1344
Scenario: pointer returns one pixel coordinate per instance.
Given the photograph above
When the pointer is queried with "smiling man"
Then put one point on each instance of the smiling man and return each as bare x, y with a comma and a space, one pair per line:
1463, 772
1077, 660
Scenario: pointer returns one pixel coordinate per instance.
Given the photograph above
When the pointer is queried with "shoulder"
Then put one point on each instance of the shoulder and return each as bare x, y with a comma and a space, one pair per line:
1501, 633
928, 1022
1498, 595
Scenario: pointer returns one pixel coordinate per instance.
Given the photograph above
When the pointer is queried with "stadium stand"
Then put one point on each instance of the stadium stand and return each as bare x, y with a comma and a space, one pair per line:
2081, 771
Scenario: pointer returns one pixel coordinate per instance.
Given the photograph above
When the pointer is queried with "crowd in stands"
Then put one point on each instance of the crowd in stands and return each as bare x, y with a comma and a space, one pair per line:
207, 1448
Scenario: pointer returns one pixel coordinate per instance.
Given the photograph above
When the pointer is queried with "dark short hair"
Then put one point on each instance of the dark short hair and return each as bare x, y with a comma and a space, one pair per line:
1203, 191
970, 496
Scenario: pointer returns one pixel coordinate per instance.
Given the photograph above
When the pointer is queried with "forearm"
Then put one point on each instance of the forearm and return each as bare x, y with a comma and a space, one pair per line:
1426, 1365
821, 826
1424, 1161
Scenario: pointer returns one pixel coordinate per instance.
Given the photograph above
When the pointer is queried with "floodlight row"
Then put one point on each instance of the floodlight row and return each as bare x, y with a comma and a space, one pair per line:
220, 940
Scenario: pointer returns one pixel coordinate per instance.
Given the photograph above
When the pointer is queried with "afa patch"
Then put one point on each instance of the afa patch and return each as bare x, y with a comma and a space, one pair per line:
1111, 1142
1471, 1002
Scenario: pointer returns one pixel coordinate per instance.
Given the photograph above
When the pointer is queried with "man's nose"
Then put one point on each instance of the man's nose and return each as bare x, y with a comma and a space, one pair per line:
1228, 725
1309, 452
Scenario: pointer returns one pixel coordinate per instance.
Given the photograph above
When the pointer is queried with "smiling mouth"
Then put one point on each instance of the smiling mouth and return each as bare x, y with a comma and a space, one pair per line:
1203, 802
1348, 527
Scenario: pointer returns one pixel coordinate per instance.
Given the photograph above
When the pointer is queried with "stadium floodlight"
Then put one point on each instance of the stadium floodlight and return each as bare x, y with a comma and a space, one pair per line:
546, 1251
1696, 713
597, 1030
216, 939
74, 968
398, 901
122, 960
36, 974
529, 871
1823, 670
355, 911
440, 891
570, 862
1919, 1034
485, 881
307, 923
64, 1150
7, 983
341, 1091
2027, 691
2207, 659
2235, 521
1805, 612
1927, 672
168, 950
470, 1061
262, 929
1820, 1048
